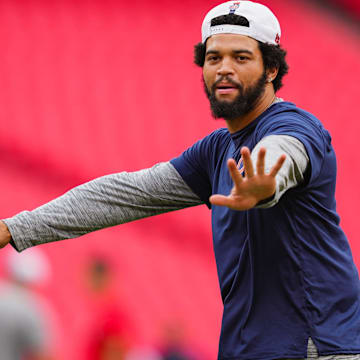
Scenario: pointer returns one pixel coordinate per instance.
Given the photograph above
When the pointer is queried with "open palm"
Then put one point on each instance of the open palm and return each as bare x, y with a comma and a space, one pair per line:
253, 187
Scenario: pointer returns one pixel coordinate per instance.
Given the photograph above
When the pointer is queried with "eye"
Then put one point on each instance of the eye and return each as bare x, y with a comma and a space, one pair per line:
212, 58
242, 58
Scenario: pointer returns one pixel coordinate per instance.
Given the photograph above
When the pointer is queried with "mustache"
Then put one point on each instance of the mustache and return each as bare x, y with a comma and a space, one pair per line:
228, 80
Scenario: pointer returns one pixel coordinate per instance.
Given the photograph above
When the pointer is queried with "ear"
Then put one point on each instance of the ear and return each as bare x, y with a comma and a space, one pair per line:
271, 74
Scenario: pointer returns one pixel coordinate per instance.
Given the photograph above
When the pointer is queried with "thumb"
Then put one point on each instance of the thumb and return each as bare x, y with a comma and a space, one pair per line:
219, 200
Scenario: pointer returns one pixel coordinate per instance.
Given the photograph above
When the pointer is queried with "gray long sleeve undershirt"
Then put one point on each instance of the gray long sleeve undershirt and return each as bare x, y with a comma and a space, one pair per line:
123, 197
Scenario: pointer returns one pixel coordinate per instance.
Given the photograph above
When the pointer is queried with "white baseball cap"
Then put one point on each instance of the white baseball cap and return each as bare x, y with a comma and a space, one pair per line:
263, 24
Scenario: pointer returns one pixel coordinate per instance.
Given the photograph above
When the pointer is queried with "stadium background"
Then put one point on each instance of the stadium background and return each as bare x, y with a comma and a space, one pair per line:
92, 87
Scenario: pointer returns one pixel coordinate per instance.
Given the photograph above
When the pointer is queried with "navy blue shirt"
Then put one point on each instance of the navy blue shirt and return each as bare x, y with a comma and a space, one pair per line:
286, 273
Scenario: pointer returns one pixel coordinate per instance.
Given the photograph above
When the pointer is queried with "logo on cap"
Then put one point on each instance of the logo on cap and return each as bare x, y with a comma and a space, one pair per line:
233, 7
277, 39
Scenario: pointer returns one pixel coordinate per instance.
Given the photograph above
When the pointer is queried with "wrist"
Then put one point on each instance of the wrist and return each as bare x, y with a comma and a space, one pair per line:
268, 199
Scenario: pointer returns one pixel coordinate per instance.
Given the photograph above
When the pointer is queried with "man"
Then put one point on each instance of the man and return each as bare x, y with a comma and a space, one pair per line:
24, 317
288, 282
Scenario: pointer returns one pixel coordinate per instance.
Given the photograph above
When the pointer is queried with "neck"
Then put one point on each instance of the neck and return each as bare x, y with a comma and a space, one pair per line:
262, 104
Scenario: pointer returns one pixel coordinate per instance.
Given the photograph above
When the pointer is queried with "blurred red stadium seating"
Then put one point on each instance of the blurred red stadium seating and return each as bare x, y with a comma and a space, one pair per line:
353, 6
94, 87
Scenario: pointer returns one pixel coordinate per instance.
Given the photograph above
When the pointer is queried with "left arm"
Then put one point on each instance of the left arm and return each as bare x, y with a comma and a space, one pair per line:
281, 162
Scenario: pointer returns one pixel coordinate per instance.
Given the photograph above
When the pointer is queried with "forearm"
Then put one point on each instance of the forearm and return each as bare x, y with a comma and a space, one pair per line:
292, 172
106, 201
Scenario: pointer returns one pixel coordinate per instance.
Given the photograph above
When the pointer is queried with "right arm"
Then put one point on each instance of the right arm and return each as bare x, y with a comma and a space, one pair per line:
5, 235
106, 201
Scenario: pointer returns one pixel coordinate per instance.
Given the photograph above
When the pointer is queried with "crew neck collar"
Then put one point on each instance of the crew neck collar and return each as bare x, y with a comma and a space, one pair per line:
238, 136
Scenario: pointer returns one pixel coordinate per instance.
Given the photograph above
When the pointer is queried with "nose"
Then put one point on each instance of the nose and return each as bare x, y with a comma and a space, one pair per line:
226, 67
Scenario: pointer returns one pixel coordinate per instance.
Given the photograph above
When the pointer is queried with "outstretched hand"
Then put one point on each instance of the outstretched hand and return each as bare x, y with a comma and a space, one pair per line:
5, 235
253, 187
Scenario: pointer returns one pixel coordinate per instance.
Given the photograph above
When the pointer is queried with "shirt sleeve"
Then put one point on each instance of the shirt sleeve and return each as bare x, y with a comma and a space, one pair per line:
106, 201
308, 130
195, 164
293, 170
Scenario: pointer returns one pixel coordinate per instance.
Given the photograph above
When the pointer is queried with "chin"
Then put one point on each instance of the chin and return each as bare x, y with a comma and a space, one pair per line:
225, 99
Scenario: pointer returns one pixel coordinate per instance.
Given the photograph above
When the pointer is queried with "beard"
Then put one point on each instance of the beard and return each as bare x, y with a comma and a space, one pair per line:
241, 105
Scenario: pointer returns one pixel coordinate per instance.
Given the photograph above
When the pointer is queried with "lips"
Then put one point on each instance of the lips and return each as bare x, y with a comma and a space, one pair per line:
225, 88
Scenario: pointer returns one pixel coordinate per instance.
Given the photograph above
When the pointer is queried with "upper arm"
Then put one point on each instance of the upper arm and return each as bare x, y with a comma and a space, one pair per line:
292, 173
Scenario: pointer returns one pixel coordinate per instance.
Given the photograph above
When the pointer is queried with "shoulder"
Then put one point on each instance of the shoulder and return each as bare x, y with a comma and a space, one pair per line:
217, 136
285, 118
290, 113
211, 143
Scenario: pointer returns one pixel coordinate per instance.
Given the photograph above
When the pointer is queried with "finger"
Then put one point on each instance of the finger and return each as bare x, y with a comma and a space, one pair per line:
275, 169
248, 166
234, 172
260, 163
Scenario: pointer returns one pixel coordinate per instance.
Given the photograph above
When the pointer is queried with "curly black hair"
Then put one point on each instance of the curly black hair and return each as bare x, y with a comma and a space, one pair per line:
273, 55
